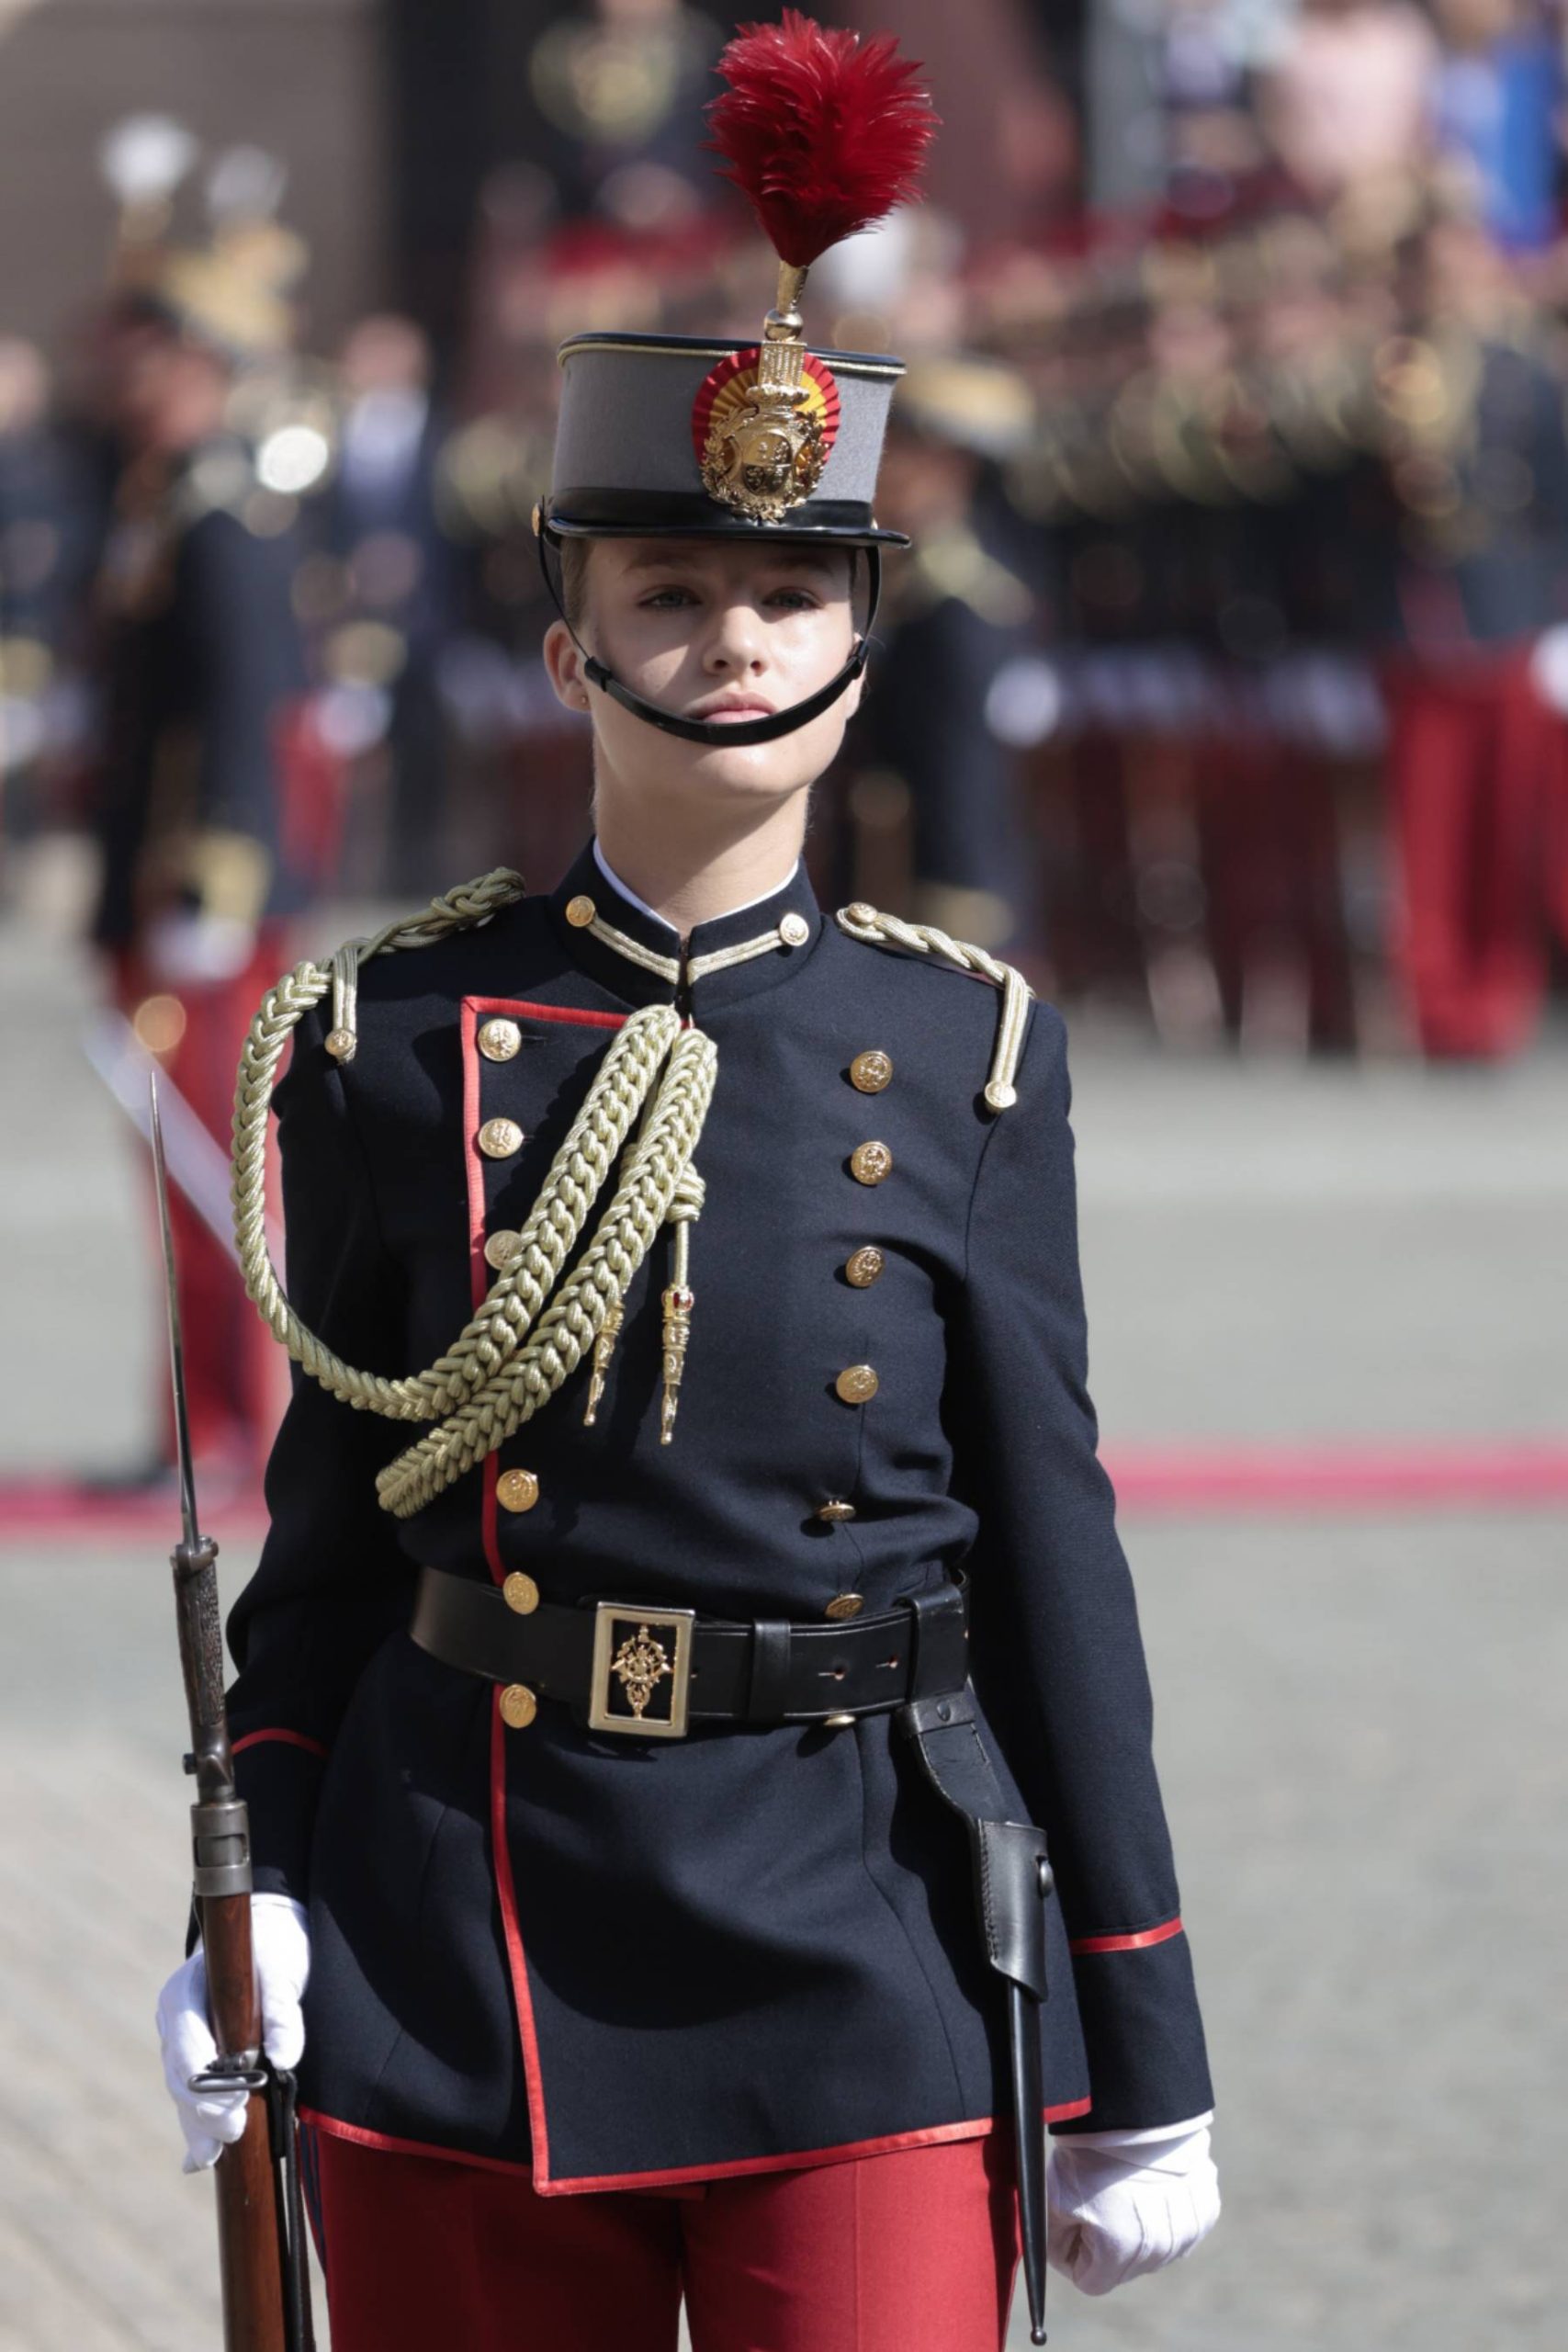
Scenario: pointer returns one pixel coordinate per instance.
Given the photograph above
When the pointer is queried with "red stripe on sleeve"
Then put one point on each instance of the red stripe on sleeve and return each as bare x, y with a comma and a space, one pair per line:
289, 1738
1139, 1942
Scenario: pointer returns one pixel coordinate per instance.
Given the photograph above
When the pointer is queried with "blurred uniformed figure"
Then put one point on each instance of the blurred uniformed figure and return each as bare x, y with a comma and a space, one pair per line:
925, 774
1286, 702
394, 577
202, 673
619, 88
45, 538
1464, 525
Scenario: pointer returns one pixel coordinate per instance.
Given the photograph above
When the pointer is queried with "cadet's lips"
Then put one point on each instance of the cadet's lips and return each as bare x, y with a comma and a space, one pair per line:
750, 706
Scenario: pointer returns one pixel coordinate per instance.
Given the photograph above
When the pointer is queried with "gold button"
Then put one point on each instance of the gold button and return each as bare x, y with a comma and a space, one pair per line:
521, 1593
517, 1490
857, 1384
844, 1604
581, 912
863, 1267
794, 930
870, 1071
834, 1512
518, 1705
498, 1040
999, 1096
858, 911
503, 1245
870, 1162
340, 1044
498, 1139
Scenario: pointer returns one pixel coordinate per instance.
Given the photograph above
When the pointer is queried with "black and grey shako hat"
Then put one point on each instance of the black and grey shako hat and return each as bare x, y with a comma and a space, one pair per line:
666, 434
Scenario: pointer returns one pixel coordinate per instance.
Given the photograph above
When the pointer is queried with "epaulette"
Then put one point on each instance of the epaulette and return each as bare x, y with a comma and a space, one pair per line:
458, 909
863, 922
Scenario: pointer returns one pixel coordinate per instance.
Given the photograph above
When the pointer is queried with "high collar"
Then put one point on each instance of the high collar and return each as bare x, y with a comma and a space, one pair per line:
709, 991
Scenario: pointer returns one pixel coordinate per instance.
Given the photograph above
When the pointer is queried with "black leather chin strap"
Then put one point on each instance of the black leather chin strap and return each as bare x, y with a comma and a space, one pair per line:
728, 730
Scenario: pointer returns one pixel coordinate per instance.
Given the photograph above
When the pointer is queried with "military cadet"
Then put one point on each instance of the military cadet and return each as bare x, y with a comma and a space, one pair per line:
395, 574
201, 666
46, 542
1464, 511
958, 612
655, 1714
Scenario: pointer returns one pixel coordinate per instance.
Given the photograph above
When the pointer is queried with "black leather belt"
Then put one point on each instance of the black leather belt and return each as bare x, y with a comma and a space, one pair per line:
625, 1667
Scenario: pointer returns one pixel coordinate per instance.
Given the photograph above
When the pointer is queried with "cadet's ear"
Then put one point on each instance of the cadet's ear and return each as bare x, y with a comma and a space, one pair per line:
564, 663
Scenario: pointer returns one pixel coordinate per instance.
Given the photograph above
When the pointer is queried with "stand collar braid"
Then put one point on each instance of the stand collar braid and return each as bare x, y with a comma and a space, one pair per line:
640, 959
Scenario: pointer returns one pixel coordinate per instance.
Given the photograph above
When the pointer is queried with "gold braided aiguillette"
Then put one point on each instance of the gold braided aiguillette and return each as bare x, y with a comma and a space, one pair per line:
527, 1335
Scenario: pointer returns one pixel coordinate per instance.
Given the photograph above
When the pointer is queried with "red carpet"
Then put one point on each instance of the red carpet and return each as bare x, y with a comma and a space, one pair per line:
1338, 1475
37, 1512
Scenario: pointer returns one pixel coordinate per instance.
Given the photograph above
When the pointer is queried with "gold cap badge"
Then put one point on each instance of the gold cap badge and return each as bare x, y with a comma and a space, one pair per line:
764, 422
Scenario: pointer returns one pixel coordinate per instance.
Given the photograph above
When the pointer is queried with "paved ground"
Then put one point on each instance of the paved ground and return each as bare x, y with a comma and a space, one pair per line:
1359, 1716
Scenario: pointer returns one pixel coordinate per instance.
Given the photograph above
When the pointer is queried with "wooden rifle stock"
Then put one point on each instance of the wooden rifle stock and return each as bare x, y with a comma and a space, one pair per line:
251, 2252
252, 2234
261, 2234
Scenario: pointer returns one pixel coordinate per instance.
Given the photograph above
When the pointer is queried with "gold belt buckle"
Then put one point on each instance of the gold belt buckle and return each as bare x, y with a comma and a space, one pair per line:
651, 1677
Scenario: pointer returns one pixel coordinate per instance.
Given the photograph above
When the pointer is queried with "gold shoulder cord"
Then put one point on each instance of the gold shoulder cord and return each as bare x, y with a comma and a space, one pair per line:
522, 1343
861, 921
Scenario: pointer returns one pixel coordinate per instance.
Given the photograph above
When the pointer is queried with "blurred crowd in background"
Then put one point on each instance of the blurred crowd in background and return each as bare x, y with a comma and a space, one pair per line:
1223, 688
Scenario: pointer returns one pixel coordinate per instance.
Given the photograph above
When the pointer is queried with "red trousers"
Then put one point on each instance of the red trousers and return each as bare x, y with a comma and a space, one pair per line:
909, 2252
1474, 758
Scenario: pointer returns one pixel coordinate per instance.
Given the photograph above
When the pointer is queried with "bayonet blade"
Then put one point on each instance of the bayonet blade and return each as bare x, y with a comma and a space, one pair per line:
172, 1295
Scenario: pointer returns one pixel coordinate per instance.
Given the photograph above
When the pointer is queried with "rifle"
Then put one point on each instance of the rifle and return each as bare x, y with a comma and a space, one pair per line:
262, 2253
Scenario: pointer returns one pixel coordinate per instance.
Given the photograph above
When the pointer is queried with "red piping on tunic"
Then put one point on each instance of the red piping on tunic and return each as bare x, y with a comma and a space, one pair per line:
511, 1006
846, 2153
517, 1961
1144, 1937
474, 1010
289, 1738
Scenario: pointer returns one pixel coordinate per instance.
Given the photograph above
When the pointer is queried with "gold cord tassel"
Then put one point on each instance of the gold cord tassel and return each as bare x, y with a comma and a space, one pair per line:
678, 1301
604, 1349
677, 1304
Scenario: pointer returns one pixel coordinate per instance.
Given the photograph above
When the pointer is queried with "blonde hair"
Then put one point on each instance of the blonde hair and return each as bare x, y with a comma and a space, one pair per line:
574, 556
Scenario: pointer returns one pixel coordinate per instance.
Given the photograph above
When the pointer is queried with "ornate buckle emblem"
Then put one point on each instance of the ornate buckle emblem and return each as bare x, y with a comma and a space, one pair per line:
639, 1681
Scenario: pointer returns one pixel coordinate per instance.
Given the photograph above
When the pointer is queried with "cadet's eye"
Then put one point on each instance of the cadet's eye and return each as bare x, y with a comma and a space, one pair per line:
798, 600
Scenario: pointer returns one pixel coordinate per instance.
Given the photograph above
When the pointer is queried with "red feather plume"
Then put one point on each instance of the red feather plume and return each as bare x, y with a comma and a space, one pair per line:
824, 132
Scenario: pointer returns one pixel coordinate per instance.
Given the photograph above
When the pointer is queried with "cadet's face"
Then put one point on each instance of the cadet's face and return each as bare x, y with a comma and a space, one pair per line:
687, 623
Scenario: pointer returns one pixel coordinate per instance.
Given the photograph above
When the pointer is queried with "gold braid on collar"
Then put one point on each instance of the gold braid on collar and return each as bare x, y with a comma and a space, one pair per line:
670, 967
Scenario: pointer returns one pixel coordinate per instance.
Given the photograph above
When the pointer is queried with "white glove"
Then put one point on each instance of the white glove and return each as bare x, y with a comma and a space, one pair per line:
280, 1940
1123, 2202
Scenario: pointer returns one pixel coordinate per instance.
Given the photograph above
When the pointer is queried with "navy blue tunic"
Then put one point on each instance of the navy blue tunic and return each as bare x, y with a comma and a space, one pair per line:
618, 1959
